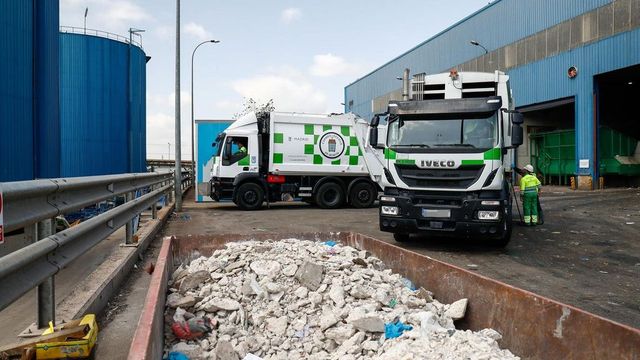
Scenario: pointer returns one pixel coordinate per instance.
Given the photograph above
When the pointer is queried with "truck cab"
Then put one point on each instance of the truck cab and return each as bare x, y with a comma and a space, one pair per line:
448, 153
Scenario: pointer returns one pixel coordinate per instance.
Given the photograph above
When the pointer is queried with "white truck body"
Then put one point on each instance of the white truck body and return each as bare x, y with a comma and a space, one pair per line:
291, 155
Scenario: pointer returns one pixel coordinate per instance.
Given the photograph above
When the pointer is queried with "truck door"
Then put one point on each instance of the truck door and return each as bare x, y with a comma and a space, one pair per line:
237, 155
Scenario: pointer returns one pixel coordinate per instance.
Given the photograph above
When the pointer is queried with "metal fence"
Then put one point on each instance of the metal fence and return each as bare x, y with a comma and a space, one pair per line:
99, 33
33, 205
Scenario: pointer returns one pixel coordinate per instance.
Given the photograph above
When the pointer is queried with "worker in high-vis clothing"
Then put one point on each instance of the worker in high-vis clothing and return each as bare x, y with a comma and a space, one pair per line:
529, 187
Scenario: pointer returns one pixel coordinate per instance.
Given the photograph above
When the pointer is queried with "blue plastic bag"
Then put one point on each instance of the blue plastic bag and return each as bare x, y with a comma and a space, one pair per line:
408, 284
177, 356
330, 243
393, 330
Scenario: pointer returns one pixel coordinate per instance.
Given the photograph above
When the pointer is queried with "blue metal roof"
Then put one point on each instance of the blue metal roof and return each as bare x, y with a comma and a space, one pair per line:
497, 24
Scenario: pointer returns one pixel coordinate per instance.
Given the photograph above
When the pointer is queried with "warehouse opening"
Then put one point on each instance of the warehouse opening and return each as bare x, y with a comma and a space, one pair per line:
617, 94
549, 142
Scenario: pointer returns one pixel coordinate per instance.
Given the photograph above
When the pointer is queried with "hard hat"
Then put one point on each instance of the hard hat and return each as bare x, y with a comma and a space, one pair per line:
529, 168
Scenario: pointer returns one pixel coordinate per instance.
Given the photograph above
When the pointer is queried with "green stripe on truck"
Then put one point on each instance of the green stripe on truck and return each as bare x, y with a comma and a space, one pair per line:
493, 154
472, 162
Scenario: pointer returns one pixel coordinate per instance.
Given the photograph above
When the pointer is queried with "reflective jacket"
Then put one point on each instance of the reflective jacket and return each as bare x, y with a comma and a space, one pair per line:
529, 182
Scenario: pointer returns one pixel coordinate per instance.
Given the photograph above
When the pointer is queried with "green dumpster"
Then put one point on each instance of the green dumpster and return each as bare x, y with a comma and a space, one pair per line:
554, 154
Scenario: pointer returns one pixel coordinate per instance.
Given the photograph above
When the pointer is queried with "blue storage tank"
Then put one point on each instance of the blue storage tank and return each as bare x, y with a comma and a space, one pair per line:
102, 106
28, 89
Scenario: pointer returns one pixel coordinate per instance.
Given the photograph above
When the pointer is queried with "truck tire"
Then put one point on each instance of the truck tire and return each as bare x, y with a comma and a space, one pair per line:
506, 236
329, 196
250, 196
400, 237
362, 195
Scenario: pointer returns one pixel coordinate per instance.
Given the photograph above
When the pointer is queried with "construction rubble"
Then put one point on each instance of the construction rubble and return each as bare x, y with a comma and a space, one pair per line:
295, 299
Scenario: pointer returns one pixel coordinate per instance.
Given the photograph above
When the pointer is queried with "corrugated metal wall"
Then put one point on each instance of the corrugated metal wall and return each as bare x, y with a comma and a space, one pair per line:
47, 89
29, 145
16, 90
102, 131
500, 23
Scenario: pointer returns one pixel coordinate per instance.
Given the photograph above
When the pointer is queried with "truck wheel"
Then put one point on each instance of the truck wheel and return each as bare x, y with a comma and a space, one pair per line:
329, 196
250, 196
362, 195
506, 236
400, 237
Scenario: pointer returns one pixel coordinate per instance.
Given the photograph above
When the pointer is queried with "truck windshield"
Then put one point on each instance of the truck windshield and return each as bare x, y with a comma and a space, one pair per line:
433, 134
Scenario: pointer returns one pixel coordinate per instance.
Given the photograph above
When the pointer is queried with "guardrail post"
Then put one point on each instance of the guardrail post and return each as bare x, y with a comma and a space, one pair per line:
129, 225
154, 207
46, 290
170, 194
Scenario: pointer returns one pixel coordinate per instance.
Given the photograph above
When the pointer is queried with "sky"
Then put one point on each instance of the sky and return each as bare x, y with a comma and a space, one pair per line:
299, 53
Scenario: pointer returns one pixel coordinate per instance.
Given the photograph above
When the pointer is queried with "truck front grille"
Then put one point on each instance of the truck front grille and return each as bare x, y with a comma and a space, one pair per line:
439, 178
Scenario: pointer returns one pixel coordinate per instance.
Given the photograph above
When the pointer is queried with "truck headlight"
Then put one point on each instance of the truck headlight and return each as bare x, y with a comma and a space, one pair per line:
389, 210
488, 215
387, 198
490, 202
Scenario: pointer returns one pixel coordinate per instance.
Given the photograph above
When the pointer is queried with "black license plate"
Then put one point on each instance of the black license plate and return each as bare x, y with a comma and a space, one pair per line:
436, 224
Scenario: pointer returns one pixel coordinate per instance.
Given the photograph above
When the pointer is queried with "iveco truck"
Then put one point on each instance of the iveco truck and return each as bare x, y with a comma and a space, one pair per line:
275, 156
448, 157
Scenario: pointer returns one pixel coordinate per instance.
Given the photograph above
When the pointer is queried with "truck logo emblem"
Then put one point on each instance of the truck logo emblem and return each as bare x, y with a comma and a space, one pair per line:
331, 145
437, 163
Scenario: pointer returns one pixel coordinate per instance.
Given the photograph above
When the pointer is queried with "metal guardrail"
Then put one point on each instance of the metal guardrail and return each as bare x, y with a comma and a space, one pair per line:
33, 205
99, 33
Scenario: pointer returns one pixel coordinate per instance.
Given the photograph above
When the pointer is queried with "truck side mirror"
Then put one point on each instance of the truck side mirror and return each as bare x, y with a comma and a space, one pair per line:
373, 137
516, 118
517, 135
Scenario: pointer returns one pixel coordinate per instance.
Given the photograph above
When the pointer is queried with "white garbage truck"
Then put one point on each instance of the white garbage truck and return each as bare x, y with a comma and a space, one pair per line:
276, 156
448, 156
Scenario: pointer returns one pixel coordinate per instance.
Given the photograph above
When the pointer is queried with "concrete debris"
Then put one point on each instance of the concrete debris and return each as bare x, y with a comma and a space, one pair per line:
194, 280
457, 310
310, 275
369, 323
175, 300
225, 351
294, 299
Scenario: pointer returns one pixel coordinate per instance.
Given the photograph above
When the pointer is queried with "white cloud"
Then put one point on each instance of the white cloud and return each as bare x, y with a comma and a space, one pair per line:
166, 102
198, 31
108, 15
326, 65
290, 92
290, 15
124, 12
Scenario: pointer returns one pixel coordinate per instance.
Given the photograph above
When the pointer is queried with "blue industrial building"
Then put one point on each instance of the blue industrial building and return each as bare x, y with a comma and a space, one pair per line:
102, 106
536, 43
29, 95
70, 104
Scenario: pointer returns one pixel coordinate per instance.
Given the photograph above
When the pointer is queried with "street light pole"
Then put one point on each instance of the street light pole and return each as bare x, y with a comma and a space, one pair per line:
193, 119
86, 11
475, 43
178, 169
